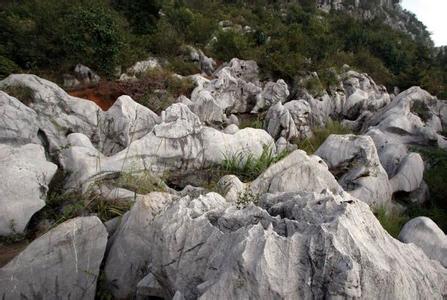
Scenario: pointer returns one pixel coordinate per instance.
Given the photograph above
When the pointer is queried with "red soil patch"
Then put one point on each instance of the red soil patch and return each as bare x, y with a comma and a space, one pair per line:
8, 252
104, 94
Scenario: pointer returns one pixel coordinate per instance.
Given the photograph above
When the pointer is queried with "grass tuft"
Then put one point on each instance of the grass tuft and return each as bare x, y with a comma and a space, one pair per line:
23, 93
310, 145
246, 166
391, 220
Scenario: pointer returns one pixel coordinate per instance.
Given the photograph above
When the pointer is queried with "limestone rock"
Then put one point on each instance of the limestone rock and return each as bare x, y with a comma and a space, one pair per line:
85, 75
18, 123
126, 260
425, 234
272, 93
297, 172
62, 264
405, 119
58, 113
180, 143
295, 246
25, 174
354, 161
410, 174
126, 121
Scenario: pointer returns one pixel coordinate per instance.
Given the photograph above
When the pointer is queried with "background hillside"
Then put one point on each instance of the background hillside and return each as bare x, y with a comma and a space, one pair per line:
287, 38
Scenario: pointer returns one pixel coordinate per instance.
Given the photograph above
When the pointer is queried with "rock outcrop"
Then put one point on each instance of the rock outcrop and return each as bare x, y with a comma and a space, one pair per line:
58, 114
354, 161
295, 245
25, 174
18, 123
62, 264
425, 234
180, 143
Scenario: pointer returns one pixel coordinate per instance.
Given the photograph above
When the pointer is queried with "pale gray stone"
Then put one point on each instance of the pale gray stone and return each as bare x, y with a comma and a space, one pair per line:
425, 234
354, 161
62, 264
25, 174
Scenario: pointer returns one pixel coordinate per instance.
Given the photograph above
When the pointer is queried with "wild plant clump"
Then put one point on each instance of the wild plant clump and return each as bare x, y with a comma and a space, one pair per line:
246, 166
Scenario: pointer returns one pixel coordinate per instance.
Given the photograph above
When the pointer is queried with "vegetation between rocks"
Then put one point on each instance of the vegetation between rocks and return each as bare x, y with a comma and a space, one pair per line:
247, 167
310, 145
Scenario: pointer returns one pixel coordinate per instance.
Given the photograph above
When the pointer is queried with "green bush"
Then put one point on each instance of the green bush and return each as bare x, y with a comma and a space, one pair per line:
94, 36
141, 14
229, 44
157, 89
7, 67
23, 93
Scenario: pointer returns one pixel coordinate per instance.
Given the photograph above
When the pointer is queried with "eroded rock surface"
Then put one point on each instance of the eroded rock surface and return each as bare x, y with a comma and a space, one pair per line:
25, 174
425, 234
61, 264
179, 143
354, 161
295, 245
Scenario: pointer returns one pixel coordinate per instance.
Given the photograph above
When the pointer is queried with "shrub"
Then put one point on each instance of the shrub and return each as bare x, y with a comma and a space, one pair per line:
141, 14
229, 44
23, 93
94, 36
157, 89
7, 67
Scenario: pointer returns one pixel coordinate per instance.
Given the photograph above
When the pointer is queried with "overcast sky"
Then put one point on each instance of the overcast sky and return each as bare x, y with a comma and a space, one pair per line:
433, 13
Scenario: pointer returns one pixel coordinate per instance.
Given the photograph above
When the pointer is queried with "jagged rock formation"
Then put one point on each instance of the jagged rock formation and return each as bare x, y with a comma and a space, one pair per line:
354, 161
301, 229
58, 114
294, 245
179, 143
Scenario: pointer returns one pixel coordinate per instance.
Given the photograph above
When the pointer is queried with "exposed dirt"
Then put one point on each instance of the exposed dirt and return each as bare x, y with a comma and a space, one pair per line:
9, 251
104, 94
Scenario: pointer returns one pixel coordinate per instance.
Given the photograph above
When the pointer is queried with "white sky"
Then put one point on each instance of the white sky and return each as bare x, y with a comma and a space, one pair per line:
433, 13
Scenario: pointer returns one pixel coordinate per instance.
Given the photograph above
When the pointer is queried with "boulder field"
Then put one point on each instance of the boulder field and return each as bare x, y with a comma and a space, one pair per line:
303, 228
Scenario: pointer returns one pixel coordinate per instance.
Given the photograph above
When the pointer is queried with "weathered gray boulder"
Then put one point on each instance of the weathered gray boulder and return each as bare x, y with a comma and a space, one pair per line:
297, 172
180, 143
126, 121
291, 120
354, 161
362, 94
205, 63
139, 68
61, 264
58, 113
294, 246
404, 169
425, 234
410, 174
85, 75
18, 123
272, 93
126, 261
406, 120
25, 174
232, 90
279, 122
